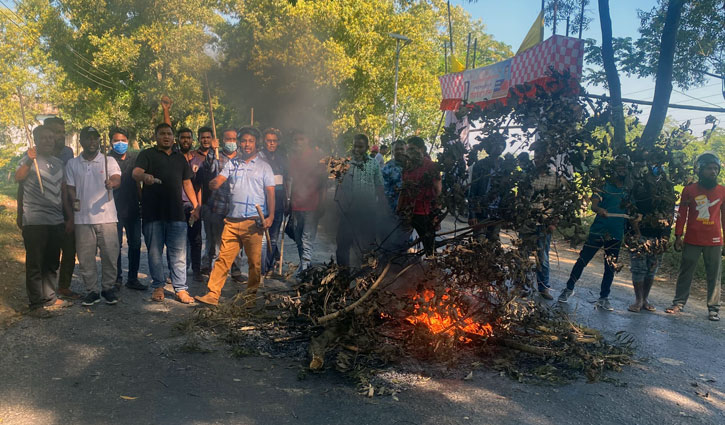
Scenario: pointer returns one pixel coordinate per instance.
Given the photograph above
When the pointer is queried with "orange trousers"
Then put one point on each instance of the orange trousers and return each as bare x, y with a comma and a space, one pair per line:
235, 236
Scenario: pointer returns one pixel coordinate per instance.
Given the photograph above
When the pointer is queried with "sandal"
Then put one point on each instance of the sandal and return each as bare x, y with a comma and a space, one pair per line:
675, 309
184, 297
649, 307
158, 295
714, 316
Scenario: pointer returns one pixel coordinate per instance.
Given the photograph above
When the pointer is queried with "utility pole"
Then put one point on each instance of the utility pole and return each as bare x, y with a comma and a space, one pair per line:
398, 47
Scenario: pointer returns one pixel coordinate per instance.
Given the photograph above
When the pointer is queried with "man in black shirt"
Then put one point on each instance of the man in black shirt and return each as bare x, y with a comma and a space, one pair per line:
127, 208
278, 161
164, 175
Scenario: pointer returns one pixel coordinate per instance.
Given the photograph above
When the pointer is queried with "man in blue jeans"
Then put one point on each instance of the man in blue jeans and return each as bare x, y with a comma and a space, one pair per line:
539, 235
605, 233
278, 161
164, 174
127, 208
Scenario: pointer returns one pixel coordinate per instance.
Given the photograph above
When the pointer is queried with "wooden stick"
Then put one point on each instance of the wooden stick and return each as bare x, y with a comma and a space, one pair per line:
281, 248
211, 115
252, 124
266, 231
105, 164
30, 139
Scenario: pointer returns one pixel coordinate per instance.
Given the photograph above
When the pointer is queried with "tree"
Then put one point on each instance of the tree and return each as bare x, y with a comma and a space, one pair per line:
680, 42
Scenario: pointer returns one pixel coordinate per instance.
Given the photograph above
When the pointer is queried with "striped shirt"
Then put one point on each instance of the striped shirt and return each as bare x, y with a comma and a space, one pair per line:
43, 208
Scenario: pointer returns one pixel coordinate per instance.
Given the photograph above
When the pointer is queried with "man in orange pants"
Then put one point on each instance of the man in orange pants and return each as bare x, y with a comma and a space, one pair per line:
251, 183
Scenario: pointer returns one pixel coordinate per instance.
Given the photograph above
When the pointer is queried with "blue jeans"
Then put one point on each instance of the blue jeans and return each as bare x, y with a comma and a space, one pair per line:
591, 246
267, 258
172, 235
305, 226
133, 239
543, 244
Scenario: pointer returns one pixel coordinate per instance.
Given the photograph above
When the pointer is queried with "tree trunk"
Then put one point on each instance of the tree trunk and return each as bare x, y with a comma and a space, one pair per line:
615, 87
663, 84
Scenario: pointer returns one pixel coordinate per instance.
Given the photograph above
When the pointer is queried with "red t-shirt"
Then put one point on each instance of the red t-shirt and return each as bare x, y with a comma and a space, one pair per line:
307, 177
418, 189
700, 209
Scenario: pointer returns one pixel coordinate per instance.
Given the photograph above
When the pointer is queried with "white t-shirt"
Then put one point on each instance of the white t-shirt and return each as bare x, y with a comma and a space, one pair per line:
89, 177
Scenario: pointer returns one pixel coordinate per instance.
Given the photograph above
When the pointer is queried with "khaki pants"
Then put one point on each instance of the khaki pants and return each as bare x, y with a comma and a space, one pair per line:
235, 236
712, 255
91, 239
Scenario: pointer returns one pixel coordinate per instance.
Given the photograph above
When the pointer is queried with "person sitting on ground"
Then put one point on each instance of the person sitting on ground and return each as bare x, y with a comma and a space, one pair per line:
420, 188
276, 159
605, 233
307, 183
193, 230
650, 232
91, 177
484, 198
700, 219
251, 182
165, 174
42, 221
359, 198
128, 209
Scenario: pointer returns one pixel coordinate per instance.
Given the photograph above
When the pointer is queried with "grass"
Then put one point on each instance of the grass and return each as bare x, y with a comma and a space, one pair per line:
12, 256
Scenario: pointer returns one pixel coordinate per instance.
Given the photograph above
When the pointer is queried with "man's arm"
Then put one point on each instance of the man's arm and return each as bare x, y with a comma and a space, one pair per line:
189, 190
68, 195
139, 174
269, 194
24, 169
217, 182
114, 182
682, 212
166, 105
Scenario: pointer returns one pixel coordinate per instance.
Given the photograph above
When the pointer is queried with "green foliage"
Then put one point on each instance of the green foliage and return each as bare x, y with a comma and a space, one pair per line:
322, 64
700, 45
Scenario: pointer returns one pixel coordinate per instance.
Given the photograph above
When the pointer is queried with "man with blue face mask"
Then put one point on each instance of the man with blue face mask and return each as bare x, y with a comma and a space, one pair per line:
128, 208
218, 202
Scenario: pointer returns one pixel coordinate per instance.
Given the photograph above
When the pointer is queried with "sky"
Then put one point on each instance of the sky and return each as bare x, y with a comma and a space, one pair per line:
508, 21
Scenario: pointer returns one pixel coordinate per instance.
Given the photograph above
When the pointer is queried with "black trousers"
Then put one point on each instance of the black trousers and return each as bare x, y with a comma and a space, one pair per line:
423, 225
193, 234
42, 259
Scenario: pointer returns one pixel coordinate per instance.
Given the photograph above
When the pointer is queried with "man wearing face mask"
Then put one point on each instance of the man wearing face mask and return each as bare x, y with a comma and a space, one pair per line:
700, 219
218, 202
605, 233
128, 210
95, 220
193, 231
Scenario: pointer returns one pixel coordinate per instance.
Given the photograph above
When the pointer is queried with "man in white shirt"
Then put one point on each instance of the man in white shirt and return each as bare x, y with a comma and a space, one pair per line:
94, 215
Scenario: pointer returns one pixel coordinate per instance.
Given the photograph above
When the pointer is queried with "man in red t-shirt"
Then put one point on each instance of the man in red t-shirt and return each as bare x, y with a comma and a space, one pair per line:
307, 180
701, 210
421, 186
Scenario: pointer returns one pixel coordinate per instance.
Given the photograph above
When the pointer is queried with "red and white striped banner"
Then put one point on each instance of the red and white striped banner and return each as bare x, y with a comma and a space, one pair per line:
486, 84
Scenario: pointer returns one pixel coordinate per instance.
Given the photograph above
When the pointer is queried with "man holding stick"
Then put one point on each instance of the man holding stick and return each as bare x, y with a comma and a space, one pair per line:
89, 177
278, 161
42, 221
193, 231
251, 183
165, 174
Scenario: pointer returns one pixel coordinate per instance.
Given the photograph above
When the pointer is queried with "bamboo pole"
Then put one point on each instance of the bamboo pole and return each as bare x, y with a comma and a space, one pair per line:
104, 147
30, 139
211, 115
252, 119
266, 231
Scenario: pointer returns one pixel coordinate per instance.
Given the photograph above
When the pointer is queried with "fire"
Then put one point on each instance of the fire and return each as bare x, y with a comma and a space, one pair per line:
438, 322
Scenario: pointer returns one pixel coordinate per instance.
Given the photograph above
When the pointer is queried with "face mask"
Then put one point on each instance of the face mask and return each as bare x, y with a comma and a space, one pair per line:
120, 147
230, 147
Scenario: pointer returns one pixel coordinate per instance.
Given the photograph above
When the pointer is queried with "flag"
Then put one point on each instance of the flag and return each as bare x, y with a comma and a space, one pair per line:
456, 65
535, 34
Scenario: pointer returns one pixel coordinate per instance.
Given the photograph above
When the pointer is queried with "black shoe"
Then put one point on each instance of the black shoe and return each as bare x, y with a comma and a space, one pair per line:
91, 298
206, 272
239, 278
110, 296
118, 284
135, 284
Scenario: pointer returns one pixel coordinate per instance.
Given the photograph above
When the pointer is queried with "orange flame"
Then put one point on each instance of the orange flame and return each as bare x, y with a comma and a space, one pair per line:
438, 322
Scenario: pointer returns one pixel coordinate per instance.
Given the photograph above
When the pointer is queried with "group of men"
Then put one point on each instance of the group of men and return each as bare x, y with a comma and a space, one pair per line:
698, 228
